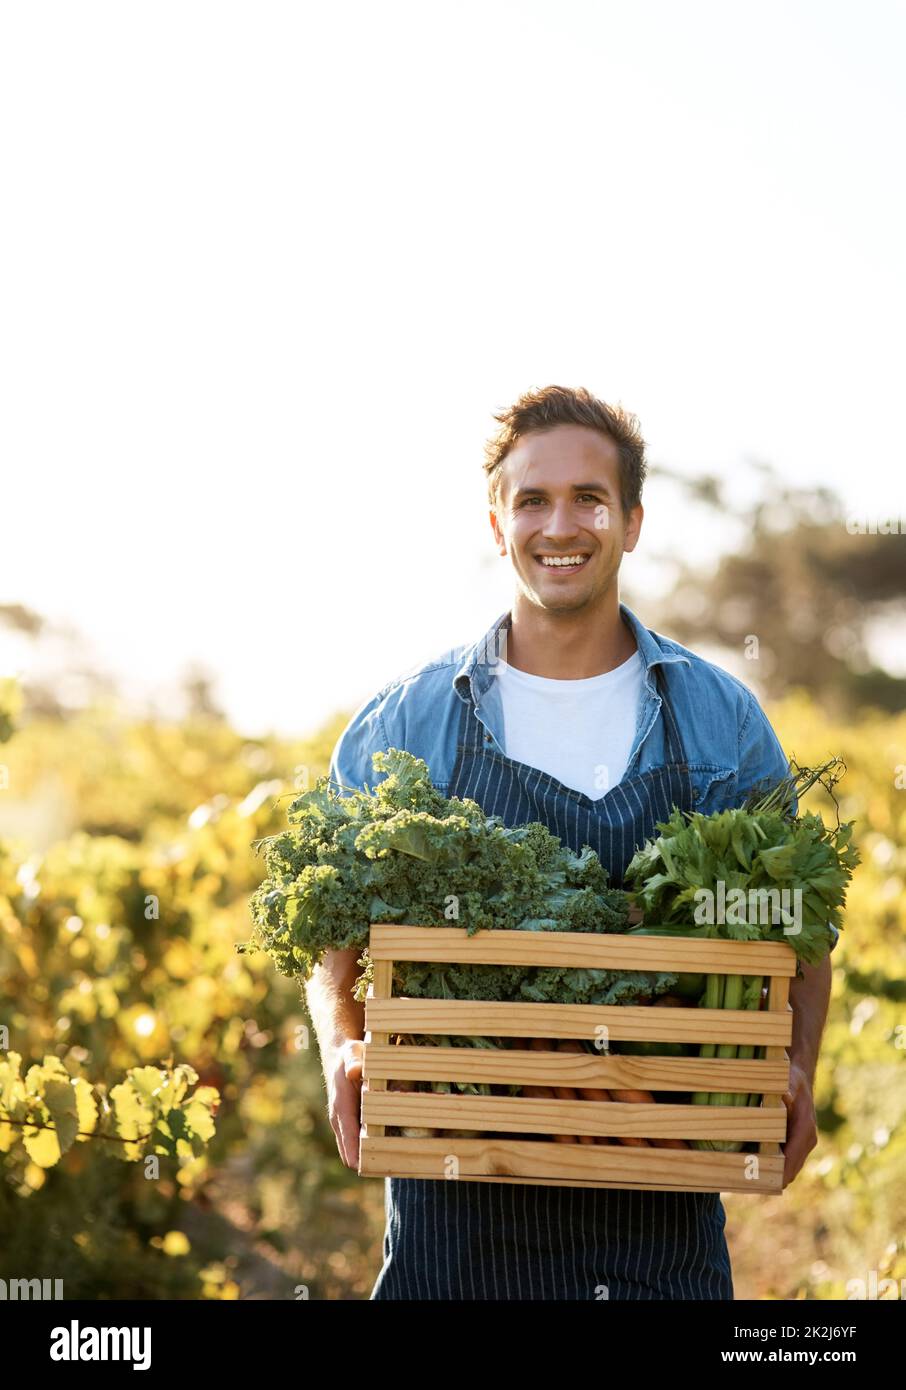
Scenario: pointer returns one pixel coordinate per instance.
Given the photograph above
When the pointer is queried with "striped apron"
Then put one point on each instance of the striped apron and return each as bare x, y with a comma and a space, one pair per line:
472, 1240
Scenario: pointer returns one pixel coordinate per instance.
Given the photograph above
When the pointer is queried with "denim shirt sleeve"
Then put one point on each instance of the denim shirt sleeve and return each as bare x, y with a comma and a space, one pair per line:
762, 762
350, 762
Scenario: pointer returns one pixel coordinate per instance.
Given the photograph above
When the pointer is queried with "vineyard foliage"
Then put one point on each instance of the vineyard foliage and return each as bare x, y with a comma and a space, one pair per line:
183, 1148
51, 1105
126, 1014
842, 1223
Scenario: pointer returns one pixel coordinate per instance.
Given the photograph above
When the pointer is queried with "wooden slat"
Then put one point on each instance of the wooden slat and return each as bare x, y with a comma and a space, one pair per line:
628, 1022
770, 1181
607, 951
522, 1067
527, 1115
778, 999
380, 988
567, 1165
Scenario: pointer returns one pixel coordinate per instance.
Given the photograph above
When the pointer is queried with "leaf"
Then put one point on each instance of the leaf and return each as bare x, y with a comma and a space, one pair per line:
146, 1081
42, 1146
778, 861
133, 1113
86, 1105
61, 1101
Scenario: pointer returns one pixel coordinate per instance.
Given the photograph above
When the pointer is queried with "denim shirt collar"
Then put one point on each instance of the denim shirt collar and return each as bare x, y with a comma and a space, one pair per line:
477, 670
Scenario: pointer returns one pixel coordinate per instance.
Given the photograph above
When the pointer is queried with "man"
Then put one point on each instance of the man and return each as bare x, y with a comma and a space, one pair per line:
571, 712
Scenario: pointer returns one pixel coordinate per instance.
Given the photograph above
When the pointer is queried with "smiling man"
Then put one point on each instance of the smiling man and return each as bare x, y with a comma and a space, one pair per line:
568, 711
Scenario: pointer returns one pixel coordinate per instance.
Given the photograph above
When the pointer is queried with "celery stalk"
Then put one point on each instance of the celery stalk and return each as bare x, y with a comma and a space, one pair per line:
739, 992
712, 998
731, 998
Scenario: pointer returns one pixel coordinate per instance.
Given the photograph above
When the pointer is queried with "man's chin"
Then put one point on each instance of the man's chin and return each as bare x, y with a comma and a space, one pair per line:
561, 603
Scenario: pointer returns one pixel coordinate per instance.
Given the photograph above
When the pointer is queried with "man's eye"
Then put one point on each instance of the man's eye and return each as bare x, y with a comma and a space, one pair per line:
581, 497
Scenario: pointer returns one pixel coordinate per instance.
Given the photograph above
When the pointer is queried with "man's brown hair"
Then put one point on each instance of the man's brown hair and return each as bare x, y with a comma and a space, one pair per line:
564, 405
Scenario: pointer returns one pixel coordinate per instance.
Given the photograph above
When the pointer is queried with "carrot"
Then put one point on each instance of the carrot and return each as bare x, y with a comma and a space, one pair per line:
547, 1093
666, 1001
591, 1093
558, 1092
586, 1092
597, 1093
646, 1098
567, 1093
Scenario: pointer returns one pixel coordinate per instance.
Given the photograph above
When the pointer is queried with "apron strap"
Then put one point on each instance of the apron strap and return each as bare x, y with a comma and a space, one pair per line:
674, 751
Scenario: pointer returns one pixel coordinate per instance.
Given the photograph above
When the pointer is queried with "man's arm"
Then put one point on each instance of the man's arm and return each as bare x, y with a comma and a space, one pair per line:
338, 1018
336, 1015
339, 1024
809, 998
763, 761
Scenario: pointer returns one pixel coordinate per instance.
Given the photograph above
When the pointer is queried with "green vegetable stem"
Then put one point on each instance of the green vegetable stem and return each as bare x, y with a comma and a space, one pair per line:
728, 992
777, 876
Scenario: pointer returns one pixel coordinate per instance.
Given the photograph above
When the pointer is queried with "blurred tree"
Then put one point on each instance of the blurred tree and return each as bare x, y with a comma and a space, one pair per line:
198, 687
21, 619
809, 582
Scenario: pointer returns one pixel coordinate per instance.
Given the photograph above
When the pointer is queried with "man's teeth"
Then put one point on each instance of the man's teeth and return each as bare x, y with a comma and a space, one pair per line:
563, 559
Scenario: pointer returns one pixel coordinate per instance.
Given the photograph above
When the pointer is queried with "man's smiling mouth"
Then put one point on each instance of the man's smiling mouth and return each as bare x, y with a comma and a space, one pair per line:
569, 563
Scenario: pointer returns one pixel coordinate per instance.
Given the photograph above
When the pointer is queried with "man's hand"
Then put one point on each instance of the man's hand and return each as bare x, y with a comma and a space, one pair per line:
344, 1092
801, 1124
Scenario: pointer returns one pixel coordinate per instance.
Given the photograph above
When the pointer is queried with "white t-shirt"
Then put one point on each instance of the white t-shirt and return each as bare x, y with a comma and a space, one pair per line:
580, 732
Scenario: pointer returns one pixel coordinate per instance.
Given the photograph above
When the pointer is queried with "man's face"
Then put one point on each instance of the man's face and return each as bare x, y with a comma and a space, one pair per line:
558, 500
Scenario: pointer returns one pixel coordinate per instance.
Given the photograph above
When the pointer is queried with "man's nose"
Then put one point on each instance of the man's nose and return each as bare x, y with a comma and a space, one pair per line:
561, 520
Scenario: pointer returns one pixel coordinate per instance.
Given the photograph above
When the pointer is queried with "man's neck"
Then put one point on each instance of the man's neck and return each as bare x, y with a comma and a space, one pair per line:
568, 645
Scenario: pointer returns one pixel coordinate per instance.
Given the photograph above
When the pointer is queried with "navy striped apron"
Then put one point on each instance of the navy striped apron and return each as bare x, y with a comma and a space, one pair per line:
472, 1240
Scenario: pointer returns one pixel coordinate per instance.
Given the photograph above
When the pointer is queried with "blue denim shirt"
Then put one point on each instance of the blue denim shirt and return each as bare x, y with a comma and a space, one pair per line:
730, 745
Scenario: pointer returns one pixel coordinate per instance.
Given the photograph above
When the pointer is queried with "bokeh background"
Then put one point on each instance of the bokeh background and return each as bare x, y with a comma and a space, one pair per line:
269, 273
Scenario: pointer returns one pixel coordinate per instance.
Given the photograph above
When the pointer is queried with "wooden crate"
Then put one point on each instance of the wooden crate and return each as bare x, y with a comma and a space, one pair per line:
544, 1162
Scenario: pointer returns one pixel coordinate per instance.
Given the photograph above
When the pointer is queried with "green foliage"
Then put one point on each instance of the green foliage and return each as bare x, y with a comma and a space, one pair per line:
52, 1104
403, 852
749, 853
117, 950
152, 1111
845, 1214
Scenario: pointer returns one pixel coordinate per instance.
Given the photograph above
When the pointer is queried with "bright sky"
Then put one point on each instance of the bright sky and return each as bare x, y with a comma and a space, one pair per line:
269, 269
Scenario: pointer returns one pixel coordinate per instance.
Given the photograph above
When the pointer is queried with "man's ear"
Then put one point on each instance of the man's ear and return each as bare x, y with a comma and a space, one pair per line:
633, 527
498, 534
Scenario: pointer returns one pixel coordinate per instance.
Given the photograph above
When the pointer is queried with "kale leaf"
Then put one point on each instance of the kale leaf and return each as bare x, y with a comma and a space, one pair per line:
402, 852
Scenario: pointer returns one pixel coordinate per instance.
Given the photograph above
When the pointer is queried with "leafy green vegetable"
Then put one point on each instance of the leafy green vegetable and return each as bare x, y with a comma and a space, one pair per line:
403, 852
753, 873
779, 877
